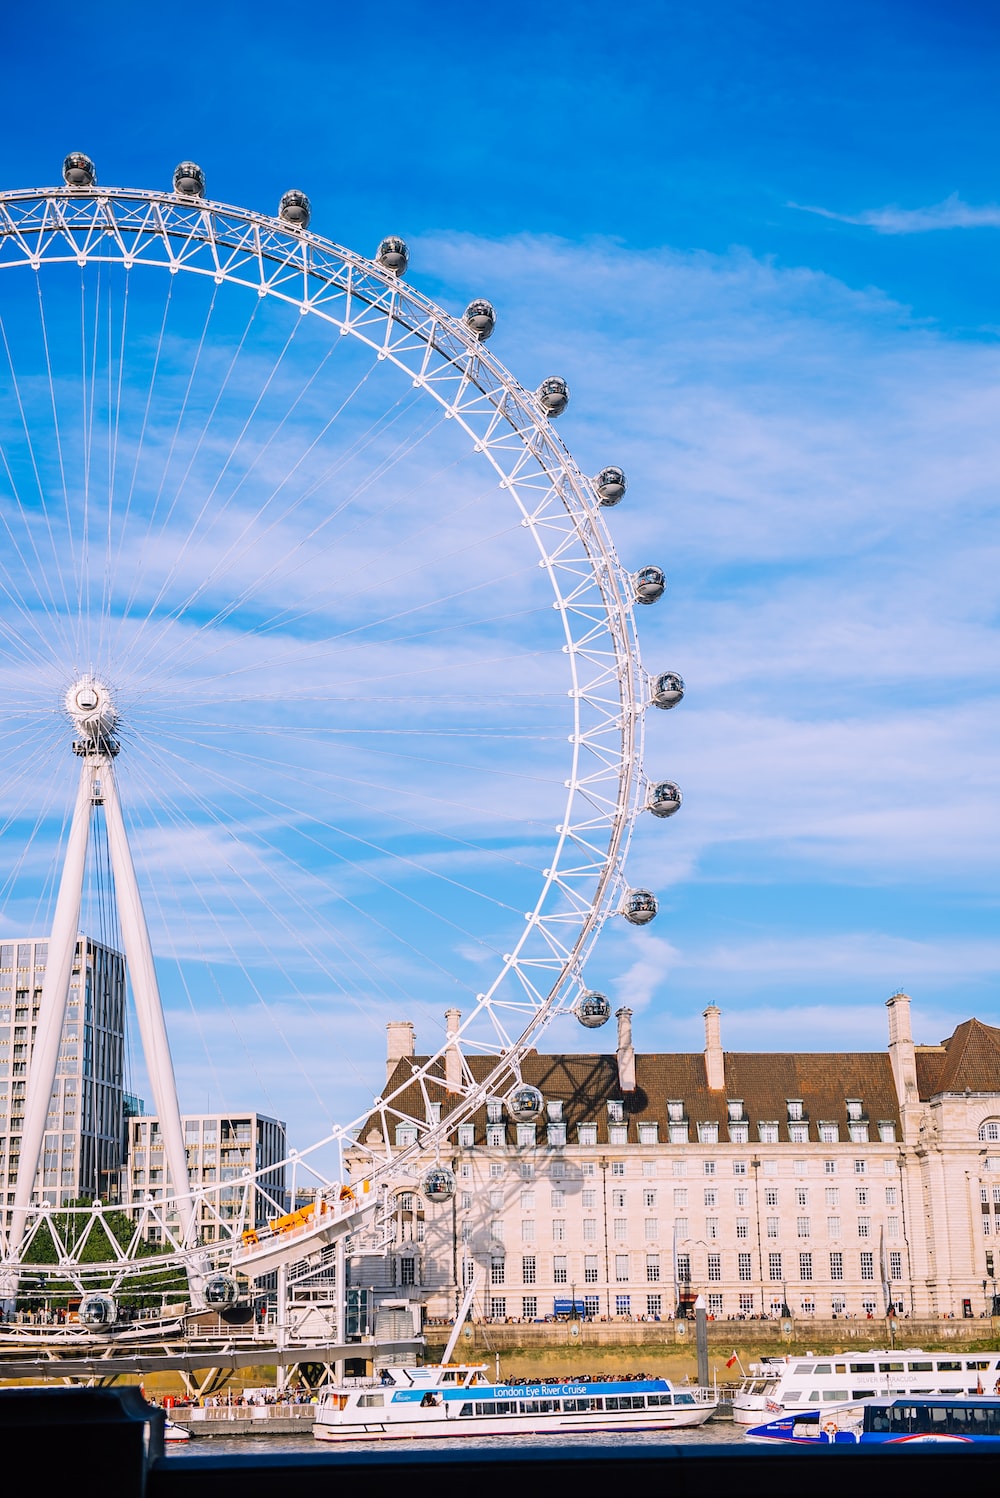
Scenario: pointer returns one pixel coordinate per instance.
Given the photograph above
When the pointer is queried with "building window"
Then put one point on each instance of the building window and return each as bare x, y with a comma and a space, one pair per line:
711, 1227
648, 1167
715, 1268
654, 1306
867, 1265
892, 1227
854, 1109
805, 1266
836, 1266
803, 1227
558, 1229
739, 1167
651, 1229
560, 1273
621, 1268
708, 1133
652, 1268
618, 1198
407, 1271
798, 1133
711, 1197
860, 1167
887, 1131
592, 1305
679, 1167
466, 1136
528, 1230
774, 1266
771, 1196
831, 1196
768, 1132
648, 1133
649, 1197
859, 1133
794, 1106
734, 1109
498, 1307
620, 1228
833, 1227
497, 1271
526, 1136
829, 1167
739, 1133
861, 1195
494, 1110
589, 1229
557, 1198
715, 1305
406, 1135
742, 1227
746, 1302
618, 1134
529, 1308
623, 1305
529, 1269
587, 1133
682, 1228
616, 1111
890, 1196
744, 1266
829, 1133
864, 1227
556, 1133
680, 1196
496, 1136
684, 1269
678, 1133
895, 1266
590, 1269
802, 1196
618, 1167
773, 1227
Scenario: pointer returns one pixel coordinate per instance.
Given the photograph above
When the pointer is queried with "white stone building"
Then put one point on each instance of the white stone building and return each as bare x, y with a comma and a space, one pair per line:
830, 1183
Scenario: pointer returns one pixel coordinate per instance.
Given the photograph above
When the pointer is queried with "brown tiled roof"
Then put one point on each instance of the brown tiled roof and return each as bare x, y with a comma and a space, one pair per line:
584, 1084
971, 1060
931, 1061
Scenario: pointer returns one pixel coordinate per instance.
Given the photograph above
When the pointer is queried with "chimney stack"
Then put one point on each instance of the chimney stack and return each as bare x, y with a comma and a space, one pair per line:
453, 1056
901, 1050
715, 1068
399, 1044
626, 1051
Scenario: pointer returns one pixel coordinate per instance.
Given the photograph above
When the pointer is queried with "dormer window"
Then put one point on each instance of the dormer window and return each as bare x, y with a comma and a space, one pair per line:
616, 1112
854, 1109
735, 1106
554, 1111
708, 1133
675, 1110
794, 1110
887, 1131
768, 1131
494, 1111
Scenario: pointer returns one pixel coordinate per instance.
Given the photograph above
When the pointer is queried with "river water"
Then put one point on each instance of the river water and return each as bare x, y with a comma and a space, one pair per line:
715, 1433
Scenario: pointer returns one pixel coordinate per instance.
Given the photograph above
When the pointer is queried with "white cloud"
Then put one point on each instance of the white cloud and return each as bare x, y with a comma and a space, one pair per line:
951, 213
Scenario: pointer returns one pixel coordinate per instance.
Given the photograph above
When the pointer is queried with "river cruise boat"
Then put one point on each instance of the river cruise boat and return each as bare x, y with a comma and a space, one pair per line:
784, 1385
887, 1422
454, 1401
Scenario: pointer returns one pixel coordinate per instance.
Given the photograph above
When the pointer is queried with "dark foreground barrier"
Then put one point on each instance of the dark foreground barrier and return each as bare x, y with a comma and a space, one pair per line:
106, 1443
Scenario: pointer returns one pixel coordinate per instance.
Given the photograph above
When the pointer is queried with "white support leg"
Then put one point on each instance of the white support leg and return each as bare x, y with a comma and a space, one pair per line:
55, 993
146, 992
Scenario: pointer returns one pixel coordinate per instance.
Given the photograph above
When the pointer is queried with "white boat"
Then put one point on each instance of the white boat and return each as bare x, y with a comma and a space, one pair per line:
458, 1400
785, 1385
173, 1432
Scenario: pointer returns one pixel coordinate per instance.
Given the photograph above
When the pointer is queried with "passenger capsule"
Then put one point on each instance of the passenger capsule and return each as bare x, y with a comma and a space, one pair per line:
664, 799
79, 170
593, 1009
648, 584
295, 209
221, 1290
553, 395
526, 1103
481, 318
611, 484
393, 255
438, 1184
189, 180
668, 689
98, 1311
640, 907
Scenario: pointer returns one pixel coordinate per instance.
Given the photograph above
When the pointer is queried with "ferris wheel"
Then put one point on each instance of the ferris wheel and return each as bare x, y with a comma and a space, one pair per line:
321, 683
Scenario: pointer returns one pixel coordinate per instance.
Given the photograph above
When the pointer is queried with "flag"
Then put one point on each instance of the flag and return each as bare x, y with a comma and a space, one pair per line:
734, 1359
979, 1386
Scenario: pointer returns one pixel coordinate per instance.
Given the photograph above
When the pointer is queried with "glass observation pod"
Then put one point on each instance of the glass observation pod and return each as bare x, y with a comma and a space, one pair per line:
393, 254
611, 484
438, 1184
667, 690
481, 317
664, 799
189, 180
221, 1290
593, 1009
553, 395
648, 584
640, 907
98, 1310
79, 170
295, 209
526, 1103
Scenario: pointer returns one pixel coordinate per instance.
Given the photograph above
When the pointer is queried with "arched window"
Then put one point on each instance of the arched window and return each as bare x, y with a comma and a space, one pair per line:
989, 1132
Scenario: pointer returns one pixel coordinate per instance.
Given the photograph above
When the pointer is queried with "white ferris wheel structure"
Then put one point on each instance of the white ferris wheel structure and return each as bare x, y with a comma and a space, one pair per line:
258, 493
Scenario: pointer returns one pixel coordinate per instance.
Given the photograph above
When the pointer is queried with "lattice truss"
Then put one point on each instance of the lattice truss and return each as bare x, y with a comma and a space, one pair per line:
543, 974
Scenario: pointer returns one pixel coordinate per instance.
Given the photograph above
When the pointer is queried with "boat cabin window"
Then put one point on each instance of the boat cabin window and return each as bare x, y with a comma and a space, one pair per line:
921, 1367
832, 1395
890, 1367
449, 1378
684, 1399
823, 1368
863, 1394
371, 1401
949, 1367
862, 1367
803, 1368
658, 1400
584, 1406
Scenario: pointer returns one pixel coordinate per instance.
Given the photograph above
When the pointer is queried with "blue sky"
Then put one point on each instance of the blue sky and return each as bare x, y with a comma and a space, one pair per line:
761, 242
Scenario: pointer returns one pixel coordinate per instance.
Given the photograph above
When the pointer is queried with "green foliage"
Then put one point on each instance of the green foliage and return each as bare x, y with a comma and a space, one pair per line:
99, 1239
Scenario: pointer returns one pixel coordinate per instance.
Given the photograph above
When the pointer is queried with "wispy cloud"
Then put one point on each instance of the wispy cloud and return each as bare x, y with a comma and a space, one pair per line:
951, 213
